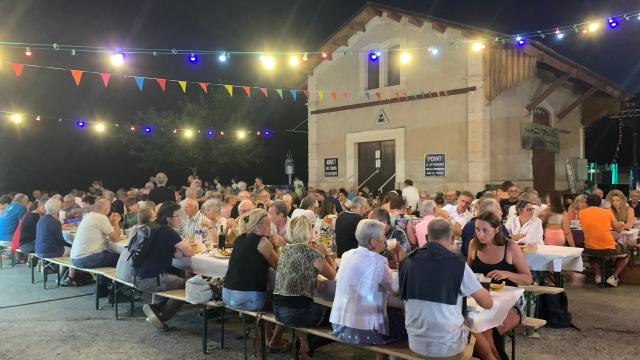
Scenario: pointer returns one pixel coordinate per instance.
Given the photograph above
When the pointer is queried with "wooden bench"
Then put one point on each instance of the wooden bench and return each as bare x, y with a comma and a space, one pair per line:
112, 275
540, 290
181, 295
604, 260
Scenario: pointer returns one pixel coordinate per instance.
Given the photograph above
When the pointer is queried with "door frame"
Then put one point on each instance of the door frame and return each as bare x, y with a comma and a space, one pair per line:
354, 138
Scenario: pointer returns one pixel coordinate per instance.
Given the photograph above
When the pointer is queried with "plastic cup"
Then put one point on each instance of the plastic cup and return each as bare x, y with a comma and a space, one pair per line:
392, 243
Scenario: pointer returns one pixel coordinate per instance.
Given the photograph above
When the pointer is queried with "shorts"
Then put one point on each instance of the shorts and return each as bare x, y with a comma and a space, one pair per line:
619, 250
244, 300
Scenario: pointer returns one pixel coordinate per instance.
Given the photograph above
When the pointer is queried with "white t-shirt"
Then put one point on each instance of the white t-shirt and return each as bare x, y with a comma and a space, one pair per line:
411, 196
461, 219
437, 329
91, 237
532, 228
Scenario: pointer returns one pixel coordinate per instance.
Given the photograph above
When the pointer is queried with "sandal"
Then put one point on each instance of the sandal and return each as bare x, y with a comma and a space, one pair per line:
285, 348
69, 282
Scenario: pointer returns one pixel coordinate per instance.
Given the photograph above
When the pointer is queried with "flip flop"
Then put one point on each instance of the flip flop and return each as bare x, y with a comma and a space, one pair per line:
285, 348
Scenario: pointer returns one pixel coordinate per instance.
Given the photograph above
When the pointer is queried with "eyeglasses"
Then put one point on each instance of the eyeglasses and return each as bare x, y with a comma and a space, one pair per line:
529, 209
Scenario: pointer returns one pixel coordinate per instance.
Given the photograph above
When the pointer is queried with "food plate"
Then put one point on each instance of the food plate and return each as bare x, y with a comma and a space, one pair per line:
497, 287
222, 254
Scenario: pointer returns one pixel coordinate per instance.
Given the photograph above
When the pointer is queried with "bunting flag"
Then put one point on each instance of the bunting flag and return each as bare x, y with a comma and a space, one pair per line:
446, 93
293, 95
162, 83
279, 92
346, 95
397, 96
204, 87
306, 93
17, 68
366, 93
229, 89
183, 85
105, 78
321, 95
139, 81
264, 91
334, 95
77, 75
247, 90
377, 94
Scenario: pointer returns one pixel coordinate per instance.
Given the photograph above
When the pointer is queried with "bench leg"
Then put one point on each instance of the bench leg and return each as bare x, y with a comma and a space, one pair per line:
98, 277
114, 292
244, 336
44, 273
263, 341
222, 328
205, 328
513, 344
132, 301
32, 266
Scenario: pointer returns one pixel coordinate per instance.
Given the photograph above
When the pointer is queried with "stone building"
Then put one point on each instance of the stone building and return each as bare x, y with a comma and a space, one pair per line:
450, 118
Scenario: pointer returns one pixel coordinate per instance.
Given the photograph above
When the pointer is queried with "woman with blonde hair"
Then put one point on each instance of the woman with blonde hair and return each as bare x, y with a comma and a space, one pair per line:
298, 268
621, 209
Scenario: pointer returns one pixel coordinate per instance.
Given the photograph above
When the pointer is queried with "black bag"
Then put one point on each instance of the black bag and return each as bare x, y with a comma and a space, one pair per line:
555, 309
140, 243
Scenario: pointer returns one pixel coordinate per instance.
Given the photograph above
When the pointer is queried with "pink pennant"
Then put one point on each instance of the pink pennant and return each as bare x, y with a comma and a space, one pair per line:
105, 78
17, 68
264, 91
162, 83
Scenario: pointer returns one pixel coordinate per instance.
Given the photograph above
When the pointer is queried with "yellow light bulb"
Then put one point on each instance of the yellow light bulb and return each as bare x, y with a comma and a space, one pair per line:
477, 46
405, 58
593, 27
241, 134
268, 62
294, 60
16, 118
99, 127
188, 133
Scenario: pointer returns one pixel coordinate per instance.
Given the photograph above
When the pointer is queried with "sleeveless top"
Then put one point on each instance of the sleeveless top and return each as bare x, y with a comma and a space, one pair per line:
554, 219
480, 267
248, 269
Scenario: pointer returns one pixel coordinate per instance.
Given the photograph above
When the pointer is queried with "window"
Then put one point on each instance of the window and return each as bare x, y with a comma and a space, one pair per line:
393, 66
373, 73
541, 116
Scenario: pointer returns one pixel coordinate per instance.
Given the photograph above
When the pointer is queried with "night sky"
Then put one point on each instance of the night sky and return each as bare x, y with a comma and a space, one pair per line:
58, 156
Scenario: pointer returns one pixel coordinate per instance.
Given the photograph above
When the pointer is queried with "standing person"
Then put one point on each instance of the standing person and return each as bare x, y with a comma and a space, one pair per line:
411, 196
298, 186
620, 209
258, 185
525, 229
10, 218
347, 223
333, 197
161, 193
596, 224
153, 274
450, 197
433, 282
89, 249
558, 230
503, 191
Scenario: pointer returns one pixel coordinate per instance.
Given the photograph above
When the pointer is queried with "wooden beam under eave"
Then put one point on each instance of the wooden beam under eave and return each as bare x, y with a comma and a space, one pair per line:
551, 88
441, 28
341, 41
415, 21
561, 115
394, 16
357, 27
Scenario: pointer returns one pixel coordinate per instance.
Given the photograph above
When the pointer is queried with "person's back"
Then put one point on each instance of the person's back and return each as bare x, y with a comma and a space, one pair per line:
9, 220
596, 225
49, 241
91, 235
345, 230
248, 268
163, 246
161, 194
28, 232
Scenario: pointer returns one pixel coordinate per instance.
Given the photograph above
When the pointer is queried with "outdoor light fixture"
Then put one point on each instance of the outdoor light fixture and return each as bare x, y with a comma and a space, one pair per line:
193, 58
16, 118
222, 57
99, 127
266, 133
117, 59
241, 134
211, 133
477, 46
294, 60
613, 22
593, 27
268, 62
148, 130
374, 55
433, 51
305, 57
188, 133
405, 58
81, 124
520, 41
27, 52
559, 34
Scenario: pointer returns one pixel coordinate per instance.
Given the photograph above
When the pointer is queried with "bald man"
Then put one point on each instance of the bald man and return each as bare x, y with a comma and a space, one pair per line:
89, 248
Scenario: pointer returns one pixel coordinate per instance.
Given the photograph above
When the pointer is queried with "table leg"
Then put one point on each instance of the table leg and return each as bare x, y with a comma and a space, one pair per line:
205, 328
222, 328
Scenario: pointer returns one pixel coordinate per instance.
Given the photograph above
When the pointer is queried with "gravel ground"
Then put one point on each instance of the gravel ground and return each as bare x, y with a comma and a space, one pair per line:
71, 328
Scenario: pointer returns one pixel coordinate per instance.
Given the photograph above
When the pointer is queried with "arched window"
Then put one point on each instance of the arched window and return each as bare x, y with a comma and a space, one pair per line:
541, 116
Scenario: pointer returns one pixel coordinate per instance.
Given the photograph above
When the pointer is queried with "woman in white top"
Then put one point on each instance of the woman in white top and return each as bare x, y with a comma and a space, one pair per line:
362, 283
525, 229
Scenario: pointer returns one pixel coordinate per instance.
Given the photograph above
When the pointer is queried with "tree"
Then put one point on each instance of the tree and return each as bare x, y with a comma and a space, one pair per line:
162, 148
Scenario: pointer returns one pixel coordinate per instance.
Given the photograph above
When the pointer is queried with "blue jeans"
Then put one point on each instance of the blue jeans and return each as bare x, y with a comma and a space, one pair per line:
103, 259
312, 315
244, 300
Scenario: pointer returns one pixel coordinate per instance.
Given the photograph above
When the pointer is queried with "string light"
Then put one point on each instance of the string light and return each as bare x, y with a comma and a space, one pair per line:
433, 51
222, 57
559, 34
99, 127
294, 60
188, 133
268, 62
27, 52
266, 133
221, 133
117, 59
194, 58
148, 129
241, 134
405, 58
81, 124
132, 128
16, 118
477, 46
211, 133
613, 22
38, 118
305, 57
593, 27
374, 55
520, 41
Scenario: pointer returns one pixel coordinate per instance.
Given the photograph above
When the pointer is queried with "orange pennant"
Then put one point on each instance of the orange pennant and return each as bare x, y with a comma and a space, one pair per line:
264, 91
77, 75
306, 93
183, 85
203, 86
377, 94
105, 78
17, 68
162, 83
247, 90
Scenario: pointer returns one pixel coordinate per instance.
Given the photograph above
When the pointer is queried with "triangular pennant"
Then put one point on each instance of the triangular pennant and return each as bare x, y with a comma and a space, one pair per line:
247, 90
162, 83
404, 94
139, 81
306, 93
293, 95
366, 93
77, 75
334, 95
446, 93
377, 94
321, 95
229, 89
397, 96
264, 91
17, 68
203, 86
345, 94
105, 78
279, 92
183, 85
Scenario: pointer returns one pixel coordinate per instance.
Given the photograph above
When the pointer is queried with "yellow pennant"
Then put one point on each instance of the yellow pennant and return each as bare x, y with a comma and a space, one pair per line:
183, 85
229, 89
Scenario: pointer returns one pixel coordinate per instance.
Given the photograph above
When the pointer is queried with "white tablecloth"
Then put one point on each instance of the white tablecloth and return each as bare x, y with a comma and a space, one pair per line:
203, 264
115, 247
555, 258
479, 319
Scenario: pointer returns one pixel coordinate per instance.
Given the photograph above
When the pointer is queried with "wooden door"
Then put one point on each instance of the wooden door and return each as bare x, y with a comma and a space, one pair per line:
543, 162
377, 165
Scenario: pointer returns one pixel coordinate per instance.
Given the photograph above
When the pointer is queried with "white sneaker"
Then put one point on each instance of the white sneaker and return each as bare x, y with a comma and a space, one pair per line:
612, 281
598, 279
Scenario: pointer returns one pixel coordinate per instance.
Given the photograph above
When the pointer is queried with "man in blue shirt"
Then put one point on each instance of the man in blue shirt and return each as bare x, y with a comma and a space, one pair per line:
10, 218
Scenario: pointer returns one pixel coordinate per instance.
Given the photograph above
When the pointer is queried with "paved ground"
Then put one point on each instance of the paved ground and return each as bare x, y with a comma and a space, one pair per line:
71, 328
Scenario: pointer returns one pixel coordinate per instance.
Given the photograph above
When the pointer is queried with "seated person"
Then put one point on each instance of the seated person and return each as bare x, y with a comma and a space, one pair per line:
89, 248
123, 269
131, 217
192, 218
596, 224
153, 274
214, 222
362, 284
69, 205
10, 217
390, 232
469, 230
526, 228
501, 259
621, 209
28, 227
428, 212
433, 302
298, 269
399, 220
245, 283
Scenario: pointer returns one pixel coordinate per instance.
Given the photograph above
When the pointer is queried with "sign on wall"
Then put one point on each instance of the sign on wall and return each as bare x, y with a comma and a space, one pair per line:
434, 164
331, 167
541, 137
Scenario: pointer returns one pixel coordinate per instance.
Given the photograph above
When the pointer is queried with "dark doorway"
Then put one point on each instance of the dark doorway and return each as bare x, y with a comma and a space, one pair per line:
377, 165
544, 168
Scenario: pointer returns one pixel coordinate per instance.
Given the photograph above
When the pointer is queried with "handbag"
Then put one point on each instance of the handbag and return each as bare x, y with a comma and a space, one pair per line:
200, 289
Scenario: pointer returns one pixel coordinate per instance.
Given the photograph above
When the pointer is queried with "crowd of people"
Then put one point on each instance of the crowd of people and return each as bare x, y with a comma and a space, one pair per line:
398, 242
